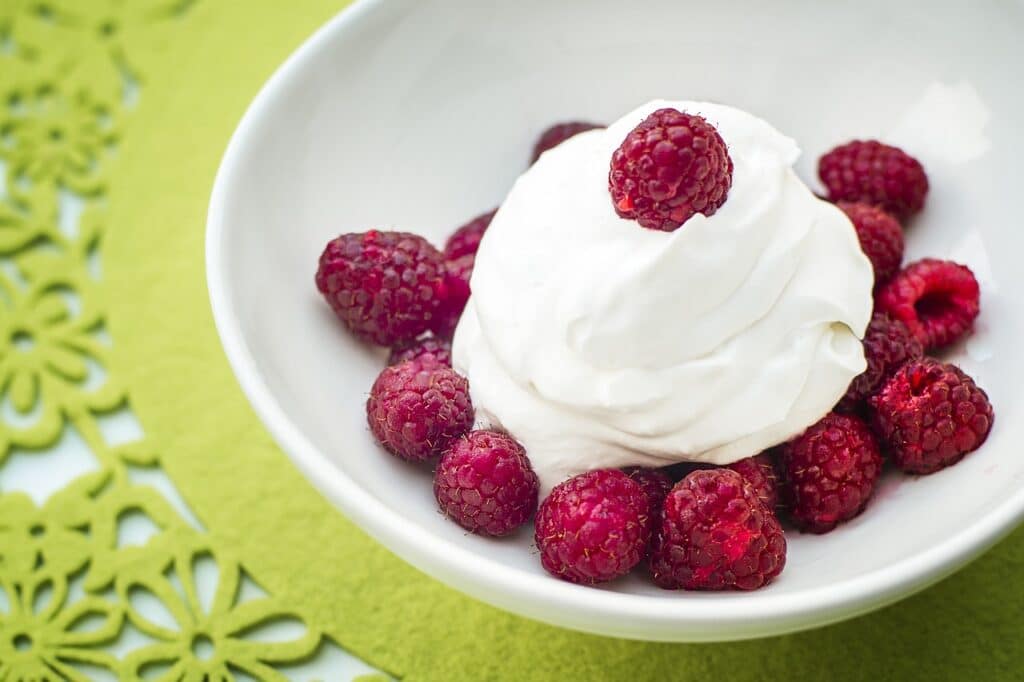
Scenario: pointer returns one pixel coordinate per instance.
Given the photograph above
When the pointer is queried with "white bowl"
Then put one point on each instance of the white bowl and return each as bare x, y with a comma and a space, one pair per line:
419, 115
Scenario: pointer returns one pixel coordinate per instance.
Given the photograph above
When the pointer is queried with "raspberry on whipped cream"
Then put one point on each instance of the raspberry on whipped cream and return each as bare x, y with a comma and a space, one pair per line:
601, 345
671, 166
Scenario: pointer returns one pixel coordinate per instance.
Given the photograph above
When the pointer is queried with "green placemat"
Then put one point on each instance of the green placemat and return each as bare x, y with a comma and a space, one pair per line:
144, 173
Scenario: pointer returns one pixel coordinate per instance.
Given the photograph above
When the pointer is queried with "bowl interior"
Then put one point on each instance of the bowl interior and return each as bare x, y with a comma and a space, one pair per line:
419, 115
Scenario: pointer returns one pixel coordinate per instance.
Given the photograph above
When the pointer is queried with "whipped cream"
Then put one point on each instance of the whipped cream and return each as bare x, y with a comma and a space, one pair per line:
599, 343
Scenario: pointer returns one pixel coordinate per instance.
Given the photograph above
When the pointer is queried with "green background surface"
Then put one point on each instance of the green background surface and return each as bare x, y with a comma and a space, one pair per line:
257, 505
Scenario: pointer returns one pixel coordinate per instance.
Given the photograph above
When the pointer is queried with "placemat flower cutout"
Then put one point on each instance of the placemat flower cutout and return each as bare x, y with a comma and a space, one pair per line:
52, 539
42, 637
27, 217
50, 361
211, 638
57, 138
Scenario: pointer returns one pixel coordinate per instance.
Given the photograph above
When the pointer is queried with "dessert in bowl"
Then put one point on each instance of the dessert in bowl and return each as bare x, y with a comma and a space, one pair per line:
315, 405
599, 342
666, 291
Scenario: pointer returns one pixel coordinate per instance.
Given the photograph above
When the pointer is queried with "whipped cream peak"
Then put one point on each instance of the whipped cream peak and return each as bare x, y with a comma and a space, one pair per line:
599, 343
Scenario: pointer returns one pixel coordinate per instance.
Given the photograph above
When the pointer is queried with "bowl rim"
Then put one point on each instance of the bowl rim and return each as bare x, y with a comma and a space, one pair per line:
740, 616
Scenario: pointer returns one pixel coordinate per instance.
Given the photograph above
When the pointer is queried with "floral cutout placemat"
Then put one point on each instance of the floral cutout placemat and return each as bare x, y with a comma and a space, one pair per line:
104, 577
115, 116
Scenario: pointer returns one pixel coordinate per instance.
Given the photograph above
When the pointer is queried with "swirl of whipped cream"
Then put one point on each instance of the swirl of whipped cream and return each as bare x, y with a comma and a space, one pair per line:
598, 343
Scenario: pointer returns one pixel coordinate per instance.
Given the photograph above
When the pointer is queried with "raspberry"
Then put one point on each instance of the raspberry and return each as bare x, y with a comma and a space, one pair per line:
655, 484
559, 133
668, 168
457, 273
759, 471
830, 472
465, 240
593, 527
437, 349
929, 415
417, 407
460, 254
716, 534
887, 345
386, 287
681, 470
937, 300
877, 174
485, 484
880, 235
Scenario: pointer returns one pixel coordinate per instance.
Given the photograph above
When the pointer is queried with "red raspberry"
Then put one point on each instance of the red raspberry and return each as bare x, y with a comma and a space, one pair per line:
458, 272
466, 240
716, 534
437, 349
485, 484
417, 407
876, 174
887, 345
655, 484
759, 471
386, 287
681, 470
593, 527
668, 168
460, 252
880, 235
559, 133
930, 414
830, 472
937, 300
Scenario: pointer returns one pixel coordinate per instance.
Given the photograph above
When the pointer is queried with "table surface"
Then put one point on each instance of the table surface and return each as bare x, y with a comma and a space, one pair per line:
147, 521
